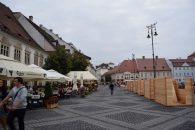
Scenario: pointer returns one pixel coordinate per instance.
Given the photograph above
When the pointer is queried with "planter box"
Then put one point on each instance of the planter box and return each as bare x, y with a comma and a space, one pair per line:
52, 102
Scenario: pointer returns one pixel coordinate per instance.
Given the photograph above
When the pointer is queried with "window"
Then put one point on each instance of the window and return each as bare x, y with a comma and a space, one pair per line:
36, 59
27, 58
4, 50
17, 54
163, 73
145, 75
41, 60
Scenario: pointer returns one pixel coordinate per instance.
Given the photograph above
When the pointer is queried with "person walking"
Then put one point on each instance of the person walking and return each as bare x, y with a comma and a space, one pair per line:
18, 94
3, 115
111, 86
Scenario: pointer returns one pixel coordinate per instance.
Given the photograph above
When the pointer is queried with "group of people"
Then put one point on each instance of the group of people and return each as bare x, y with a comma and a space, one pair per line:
17, 96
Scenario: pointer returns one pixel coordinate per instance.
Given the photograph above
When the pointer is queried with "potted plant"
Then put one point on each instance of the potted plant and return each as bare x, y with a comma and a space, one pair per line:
50, 101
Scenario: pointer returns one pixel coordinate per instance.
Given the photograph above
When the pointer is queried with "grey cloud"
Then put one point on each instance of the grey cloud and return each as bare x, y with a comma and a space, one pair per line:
111, 30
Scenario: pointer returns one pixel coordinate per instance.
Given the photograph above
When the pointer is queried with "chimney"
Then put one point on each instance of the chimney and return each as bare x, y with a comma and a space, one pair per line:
156, 57
51, 30
31, 18
57, 35
41, 25
143, 57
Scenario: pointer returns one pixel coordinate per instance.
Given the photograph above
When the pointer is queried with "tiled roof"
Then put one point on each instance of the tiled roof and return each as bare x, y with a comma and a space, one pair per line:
125, 66
146, 64
180, 62
193, 54
11, 26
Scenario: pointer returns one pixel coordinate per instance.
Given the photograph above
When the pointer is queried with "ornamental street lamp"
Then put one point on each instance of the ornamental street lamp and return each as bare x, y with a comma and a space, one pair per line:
152, 33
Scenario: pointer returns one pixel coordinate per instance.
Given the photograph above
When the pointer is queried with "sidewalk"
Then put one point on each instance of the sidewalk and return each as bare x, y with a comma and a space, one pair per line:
101, 111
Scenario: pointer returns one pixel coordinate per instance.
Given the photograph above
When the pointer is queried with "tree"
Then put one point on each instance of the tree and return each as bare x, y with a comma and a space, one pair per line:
59, 60
48, 90
108, 78
79, 62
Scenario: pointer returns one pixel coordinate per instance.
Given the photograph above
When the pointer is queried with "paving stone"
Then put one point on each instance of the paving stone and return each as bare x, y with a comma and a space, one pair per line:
98, 100
165, 108
41, 114
68, 103
73, 125
188, 125
132, 117
90, 108
99, 111
124, 104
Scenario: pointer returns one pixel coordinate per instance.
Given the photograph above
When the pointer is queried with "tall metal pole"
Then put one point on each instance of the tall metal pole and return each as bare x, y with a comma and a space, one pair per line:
154, 66
133, 57
150, 28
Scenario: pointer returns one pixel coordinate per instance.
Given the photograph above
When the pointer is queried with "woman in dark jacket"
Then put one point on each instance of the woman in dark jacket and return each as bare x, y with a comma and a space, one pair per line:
3, 94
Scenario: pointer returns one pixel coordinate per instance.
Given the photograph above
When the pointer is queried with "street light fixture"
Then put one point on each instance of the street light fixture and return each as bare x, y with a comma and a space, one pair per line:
151, 34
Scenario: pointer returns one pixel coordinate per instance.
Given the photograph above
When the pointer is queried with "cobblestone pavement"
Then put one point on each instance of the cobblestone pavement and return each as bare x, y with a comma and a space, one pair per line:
101, 111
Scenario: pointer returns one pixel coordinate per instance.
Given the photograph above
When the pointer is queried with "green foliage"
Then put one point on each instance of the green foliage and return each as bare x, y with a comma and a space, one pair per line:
64, 62
59, 60
79, 62
108, 78
48, 90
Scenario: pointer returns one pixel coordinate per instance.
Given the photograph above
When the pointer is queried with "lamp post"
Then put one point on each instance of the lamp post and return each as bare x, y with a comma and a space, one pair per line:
133, 58
151, 34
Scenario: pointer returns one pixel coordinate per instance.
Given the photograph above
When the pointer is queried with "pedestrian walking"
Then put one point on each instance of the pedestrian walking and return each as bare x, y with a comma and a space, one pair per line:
3, 115
111, 86
18, 108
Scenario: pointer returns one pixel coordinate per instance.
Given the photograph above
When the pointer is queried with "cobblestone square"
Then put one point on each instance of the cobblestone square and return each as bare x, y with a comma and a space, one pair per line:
101, 111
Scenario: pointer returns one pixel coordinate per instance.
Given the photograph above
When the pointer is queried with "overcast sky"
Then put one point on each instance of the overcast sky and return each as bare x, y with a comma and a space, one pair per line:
111, 30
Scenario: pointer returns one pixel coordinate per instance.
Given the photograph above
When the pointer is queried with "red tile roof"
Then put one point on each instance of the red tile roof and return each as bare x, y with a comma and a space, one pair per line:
10, 25
147, 64
125, 66
180, 62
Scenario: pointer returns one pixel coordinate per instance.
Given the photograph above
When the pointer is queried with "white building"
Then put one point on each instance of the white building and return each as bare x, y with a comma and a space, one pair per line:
15, 42
182, 68
44, 41
69, 46
146, 70
103, 68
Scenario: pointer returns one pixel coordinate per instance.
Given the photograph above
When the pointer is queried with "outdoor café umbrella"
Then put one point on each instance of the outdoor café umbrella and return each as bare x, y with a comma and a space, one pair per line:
10, 68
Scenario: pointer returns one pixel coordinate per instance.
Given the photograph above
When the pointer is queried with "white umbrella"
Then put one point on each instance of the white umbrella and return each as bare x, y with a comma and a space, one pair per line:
81, 79
12, 68
75, 87
86, 75
49, 75
55, 74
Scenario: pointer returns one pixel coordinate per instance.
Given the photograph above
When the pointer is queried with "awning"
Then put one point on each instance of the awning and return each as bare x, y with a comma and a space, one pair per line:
51, 75
11, 68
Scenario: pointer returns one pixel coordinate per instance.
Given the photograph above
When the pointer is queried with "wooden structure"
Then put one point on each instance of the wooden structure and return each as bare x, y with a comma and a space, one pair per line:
165, 91
149, 89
